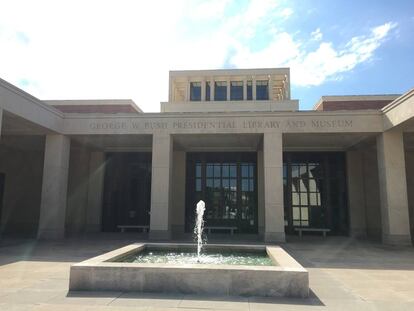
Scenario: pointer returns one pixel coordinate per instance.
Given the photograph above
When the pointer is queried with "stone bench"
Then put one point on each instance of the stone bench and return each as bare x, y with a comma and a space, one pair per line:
124, 227
209, 228
324, 231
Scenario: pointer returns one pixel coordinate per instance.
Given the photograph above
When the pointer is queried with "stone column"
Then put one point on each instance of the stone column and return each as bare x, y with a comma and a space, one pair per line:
228, 89
161, 186
356, 193
187, 91
253, 88
244, 89
212, 90
95, 191
393, 188
287, 88
371, 192
54, 187
270, 88
409, 167
203, 90
273, 187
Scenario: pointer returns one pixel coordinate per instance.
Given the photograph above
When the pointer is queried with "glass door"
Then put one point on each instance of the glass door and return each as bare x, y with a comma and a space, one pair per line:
314, 191
228, 186
306, 185
127, 194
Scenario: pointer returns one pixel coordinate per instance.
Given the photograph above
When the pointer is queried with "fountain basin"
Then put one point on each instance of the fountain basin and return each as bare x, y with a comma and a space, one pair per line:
285, 278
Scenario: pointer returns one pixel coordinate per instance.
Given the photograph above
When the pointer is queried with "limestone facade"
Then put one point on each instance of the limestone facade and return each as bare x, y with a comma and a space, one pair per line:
66, 150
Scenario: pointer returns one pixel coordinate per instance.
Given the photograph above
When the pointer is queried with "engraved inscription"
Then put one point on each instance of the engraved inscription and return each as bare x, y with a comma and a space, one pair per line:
156, 125
261, 124
295, 124
204, 125
108, 125
331, 123
252, 124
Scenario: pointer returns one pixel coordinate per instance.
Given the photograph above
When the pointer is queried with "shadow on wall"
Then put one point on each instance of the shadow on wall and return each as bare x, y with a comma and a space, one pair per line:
21, 163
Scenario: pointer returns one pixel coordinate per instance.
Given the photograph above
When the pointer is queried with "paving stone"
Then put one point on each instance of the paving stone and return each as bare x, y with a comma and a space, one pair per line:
344, 275
214, 302
147, 300
85, 298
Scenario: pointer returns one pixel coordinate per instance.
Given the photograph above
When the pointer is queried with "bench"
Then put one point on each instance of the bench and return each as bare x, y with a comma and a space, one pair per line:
124, 227
324, 231
209, 228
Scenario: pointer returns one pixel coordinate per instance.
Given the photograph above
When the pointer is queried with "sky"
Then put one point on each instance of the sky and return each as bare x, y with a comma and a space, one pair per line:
124, 49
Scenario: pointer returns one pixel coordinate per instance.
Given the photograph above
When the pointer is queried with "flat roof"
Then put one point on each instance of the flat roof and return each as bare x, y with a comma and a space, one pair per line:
230, 72
355, 98
94, 103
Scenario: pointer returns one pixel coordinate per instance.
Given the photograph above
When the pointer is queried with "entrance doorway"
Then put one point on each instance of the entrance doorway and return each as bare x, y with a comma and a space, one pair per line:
127, 193
227, 182
315, 191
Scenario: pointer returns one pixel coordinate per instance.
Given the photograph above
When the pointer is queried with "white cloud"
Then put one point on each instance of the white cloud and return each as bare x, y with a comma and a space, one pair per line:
286, 12
207, 9
90, 49
110, 49
311, 68
327, 62
281, 50
316, 34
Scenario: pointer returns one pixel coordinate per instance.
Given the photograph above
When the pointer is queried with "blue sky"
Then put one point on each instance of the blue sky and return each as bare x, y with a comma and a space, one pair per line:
124, 49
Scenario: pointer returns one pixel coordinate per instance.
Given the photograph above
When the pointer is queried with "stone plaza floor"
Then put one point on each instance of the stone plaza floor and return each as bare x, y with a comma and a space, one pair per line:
344, 274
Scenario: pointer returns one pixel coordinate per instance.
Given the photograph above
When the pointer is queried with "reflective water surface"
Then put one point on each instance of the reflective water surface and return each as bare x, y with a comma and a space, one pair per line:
208, 257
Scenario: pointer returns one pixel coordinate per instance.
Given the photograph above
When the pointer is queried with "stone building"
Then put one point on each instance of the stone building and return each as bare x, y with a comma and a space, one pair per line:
233, 138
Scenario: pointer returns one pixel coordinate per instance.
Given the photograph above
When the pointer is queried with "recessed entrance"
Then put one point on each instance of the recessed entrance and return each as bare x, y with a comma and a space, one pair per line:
227, 182
315, 191
127, 194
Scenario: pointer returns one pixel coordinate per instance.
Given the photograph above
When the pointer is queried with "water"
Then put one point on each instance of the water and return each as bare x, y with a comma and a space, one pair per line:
199, 226
186, 256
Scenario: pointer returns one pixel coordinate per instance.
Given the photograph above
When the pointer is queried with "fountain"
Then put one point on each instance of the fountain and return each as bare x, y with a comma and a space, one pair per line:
199, 226
245, 270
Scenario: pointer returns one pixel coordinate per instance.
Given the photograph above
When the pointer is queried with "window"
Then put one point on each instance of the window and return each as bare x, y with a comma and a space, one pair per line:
262, 90
220, 90
207, 91
285, 194
300, 186
195, 91
315, 191
306, 191
248, 198
198, 177
249, 90
227, 183
236, 90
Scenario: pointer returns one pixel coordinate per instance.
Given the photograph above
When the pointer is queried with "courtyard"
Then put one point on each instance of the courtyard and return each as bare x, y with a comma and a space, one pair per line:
345, 274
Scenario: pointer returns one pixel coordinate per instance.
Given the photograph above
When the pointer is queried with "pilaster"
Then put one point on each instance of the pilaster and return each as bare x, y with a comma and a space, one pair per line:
273, 187
203, 90
244, 89
54, 187
228, 89
95, 191
161, 186
212, 90
393, 188
270, 87
254, 88
356, 193
187, 91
